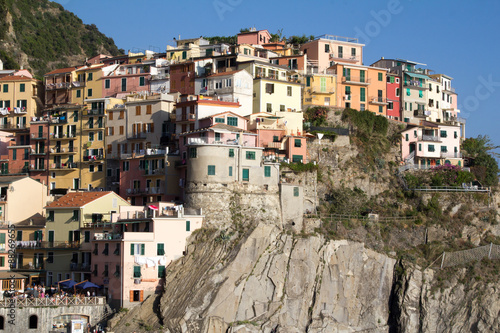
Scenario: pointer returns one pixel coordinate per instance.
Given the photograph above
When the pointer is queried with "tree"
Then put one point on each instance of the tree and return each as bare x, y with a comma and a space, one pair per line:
483, 163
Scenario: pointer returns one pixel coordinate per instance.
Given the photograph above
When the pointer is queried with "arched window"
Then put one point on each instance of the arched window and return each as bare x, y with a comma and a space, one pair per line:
33, 321
1, 323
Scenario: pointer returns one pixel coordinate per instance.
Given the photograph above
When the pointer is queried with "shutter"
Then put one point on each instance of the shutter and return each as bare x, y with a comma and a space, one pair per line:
152, 127
131, 296
144, 127
141, 295
142, 249
2, 239
131, 249
70, 236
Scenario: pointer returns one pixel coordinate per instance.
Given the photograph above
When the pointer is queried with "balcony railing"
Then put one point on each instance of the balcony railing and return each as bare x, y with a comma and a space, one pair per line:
60, 85
13, 126
58, 120
63, 136
415, 83
356, 80
93, 158
62, 166
28, 267
63, 150
421, 113
207, 141
46, 245
429, 138
185, 117
38, 152
140, 135
107, 236
445, 154
42, 136
94, 112
378, 100
136, 191
154, 172
154, 190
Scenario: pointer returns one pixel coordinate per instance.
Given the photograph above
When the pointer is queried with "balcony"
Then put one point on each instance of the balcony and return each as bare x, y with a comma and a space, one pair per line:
37, 168
93, 158
415, 84
94, 112
54, 86
445, 154
154, 172
274, 145
28, 267
136, 191
53, 302
97, 126
429, 138
449, 89
42, 136
38, 152
20, 110
64, 150
63, 136
160, 77
107, 236
58, 119
63, 166
378, 100
137, 136
186, 117
78, 84
421, 113
46, 245
154, 190
13, 127
211, 141
358, 80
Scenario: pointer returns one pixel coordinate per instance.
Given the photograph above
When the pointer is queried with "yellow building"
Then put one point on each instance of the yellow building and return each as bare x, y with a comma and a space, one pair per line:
66, 217
20, 99
320, 89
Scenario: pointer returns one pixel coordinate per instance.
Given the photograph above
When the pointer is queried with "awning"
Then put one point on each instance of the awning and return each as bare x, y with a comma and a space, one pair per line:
153, 207
419, 76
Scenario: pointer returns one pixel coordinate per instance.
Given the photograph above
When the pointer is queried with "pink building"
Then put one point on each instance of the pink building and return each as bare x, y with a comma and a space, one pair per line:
126, 78
129, 258
254, 37
431, 144
393, 96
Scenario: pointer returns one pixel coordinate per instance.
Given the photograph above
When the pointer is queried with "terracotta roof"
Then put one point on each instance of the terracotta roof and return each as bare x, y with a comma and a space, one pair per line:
221, 113
62, 70
225, 73
16, 78
77, 199
34, 221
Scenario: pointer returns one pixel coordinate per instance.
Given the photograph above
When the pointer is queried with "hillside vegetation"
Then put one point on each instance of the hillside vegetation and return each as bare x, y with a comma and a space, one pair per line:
41, 35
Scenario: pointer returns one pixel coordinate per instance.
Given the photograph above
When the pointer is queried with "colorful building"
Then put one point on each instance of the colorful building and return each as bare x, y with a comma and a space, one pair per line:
393, 96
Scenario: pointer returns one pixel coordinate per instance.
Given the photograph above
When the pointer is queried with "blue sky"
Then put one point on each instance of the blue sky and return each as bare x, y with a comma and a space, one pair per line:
459, 38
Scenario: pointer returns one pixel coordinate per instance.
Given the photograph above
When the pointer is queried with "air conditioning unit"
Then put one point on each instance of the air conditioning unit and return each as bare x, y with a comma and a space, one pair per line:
137, 281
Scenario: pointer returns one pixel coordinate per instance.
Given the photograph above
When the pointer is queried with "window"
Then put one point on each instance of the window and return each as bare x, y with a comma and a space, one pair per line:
230, 171
78, 93
91, 136
347, 90
340, 51
90, 77
353, 52
19, 235
289, 91
380, 77
86, 238
14, 154
308, 81
137, 249
231, 152
327, 48
421, 94
76, 214
192, 152
297, 158
232, 121
298, 143
443, 134
126, 166
117, 249
296, 191
211, 170
419, 147
22, 87
106, 249
267, 171
100, 135
407, 137
142, 81
397, 92
362, 93
455, 134
33, 322
107, 84
362, 76
408, 92
5, 88
269, 107
282, 108
270, 88
89, 92
431, 148
161, 272
390, 105
250, 155
91, 168
137, 271
124, 84
160, 249
26, 154
246, 175
380, 109
444, 149
188, 225
220, 120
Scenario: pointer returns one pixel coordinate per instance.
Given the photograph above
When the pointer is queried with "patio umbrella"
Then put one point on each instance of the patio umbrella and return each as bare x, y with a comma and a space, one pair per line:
67, 283
86, 284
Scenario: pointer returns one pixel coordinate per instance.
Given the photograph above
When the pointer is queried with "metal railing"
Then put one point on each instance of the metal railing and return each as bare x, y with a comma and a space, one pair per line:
356, 79
60, 85
429, 138
449, 259
381, 100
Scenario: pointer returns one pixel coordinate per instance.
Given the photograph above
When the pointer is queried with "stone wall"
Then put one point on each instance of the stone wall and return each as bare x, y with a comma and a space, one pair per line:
47, 314
226, 204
